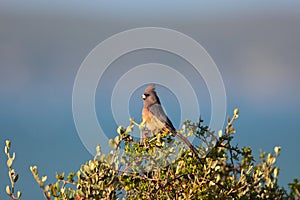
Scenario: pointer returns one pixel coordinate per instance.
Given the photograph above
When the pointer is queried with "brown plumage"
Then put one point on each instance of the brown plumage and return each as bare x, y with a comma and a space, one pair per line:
155, 117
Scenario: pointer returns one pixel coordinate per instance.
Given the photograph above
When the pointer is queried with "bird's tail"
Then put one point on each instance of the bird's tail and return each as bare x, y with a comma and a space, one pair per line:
187, 142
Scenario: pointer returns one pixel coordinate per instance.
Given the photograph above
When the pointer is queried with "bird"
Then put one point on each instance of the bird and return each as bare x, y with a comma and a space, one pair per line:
155, 119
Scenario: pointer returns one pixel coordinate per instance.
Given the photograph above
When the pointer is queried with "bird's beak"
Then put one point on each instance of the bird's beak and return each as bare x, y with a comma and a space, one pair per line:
143, 97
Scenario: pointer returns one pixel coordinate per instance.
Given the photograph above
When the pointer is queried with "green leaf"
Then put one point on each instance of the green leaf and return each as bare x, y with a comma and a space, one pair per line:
277, 150
44, 178
7, 189
112, 144
98, 150
236, 111
19, 194
7, 143
129, 128
33, 169
117, 140
120, 130
70, 177
6, 150
9, 162
16, 178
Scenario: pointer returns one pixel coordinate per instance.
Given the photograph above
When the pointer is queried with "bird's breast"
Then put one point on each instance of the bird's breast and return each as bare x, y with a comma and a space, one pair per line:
152, 122
146, 115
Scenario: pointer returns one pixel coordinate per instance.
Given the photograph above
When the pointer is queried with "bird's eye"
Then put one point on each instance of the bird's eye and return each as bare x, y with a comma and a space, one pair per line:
144, 96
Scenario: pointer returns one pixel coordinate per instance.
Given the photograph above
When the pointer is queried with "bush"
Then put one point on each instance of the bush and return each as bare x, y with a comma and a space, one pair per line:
160, 167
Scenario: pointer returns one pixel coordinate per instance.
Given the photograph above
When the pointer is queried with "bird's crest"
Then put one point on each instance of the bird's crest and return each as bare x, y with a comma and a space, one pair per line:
150, 88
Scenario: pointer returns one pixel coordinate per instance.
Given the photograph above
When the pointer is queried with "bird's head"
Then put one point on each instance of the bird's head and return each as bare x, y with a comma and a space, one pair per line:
150, 97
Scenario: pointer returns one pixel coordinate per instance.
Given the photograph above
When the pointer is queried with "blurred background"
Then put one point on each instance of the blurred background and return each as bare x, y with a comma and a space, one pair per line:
255, 45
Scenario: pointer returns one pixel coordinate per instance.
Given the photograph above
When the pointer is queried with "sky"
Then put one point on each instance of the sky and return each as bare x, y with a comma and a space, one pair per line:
255, 47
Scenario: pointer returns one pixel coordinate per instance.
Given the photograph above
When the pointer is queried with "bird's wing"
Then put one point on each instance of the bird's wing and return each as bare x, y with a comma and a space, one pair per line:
157, 110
